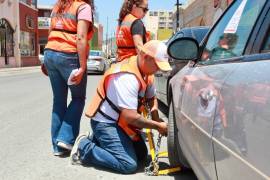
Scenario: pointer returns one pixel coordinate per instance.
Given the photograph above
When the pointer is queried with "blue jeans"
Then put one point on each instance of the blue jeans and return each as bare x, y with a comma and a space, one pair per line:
65, 119
111, 148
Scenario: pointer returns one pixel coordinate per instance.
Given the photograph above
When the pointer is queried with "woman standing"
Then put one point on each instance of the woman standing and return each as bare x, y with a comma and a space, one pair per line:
131, 33
66, 51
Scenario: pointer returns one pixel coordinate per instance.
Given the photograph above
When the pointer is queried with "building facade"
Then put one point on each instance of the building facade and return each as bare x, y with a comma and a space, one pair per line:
44, 19
18, 33
160, 23
44, 13
200, 12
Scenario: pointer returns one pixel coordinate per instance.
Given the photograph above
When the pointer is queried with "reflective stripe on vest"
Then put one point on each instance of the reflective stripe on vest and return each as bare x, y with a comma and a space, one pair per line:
124, 39
65, 15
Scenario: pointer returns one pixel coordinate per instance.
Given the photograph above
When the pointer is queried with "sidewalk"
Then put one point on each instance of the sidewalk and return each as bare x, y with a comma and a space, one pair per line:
19, 69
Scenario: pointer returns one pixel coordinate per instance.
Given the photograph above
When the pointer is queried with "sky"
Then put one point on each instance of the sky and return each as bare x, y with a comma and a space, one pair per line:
111, 8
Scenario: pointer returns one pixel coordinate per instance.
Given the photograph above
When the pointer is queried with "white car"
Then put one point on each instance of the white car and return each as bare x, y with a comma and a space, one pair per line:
41, 58
96, 62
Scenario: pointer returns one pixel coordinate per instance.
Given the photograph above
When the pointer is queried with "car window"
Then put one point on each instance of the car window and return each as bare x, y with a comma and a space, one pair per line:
266, 46
230, 36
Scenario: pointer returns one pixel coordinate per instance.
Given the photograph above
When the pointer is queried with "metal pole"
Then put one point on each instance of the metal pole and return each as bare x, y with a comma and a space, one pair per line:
111, 44
5, 41
177, 15
107, 38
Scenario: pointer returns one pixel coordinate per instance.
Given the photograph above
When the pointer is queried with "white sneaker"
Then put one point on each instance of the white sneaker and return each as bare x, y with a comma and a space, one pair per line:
75, 154
64, 146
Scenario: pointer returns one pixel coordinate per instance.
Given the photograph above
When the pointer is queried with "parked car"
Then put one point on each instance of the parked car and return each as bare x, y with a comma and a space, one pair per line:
96, 62
162, 78
112, 60
219, 114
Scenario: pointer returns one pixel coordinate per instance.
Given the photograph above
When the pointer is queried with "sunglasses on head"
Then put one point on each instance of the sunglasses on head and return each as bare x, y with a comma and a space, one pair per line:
145, 9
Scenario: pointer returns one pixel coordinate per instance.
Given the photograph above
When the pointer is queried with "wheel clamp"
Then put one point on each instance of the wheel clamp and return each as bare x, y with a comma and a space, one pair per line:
153, 168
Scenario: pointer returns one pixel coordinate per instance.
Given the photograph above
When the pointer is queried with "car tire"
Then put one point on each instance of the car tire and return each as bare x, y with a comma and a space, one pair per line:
175, 154
103, 70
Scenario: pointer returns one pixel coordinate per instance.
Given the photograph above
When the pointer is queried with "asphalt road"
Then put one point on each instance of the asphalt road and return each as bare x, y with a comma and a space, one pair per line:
25, 152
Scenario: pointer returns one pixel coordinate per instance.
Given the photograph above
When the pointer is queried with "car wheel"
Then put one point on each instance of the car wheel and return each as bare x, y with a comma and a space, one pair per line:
104, 69
175, 154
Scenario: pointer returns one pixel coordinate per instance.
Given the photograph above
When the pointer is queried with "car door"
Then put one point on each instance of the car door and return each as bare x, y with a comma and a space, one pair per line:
246, 101
202, 107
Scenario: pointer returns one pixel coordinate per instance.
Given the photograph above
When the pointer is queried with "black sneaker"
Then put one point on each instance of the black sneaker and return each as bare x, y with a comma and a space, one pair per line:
75, 154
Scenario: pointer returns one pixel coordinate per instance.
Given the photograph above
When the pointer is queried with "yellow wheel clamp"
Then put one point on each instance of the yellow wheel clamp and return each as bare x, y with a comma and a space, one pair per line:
153, 168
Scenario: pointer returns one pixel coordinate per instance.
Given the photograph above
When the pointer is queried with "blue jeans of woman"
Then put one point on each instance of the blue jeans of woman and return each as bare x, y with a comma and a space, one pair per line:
111, 148
65, 119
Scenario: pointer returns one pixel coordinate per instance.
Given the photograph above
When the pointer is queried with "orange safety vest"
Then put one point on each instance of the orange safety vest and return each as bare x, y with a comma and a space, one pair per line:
128, 66
63, 34
124, 38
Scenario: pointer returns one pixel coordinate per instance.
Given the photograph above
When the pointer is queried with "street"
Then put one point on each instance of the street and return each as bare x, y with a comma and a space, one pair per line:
25, 153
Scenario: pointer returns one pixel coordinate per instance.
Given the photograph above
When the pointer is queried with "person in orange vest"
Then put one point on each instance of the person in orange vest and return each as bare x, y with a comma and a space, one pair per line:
131, 33
115, 112
65, 56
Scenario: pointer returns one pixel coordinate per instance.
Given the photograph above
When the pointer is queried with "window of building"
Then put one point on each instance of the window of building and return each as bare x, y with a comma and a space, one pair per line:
161, 13
6, 39
27, 44
162, 19
47, 14
155, 13
162, 24
30, 24
34, 3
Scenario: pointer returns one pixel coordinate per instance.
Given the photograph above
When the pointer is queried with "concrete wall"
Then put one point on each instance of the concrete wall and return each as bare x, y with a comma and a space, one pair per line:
33, 13
151, 24
200, 12
9, 11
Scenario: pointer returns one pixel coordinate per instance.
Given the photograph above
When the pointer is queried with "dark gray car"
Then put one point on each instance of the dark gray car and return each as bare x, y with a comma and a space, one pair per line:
162, 78
219, 118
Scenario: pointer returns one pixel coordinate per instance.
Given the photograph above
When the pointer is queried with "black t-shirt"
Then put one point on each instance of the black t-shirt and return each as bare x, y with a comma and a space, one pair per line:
138, 28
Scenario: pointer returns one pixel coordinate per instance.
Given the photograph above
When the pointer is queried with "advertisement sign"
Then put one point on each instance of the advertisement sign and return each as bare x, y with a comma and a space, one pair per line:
44, 22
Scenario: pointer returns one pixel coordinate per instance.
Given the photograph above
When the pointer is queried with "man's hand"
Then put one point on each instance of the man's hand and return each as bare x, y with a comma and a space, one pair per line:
163, 128
137, 120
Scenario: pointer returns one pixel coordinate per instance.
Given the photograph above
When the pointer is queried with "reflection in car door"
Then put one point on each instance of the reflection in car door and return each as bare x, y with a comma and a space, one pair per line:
201, 95
203, 106
246, 95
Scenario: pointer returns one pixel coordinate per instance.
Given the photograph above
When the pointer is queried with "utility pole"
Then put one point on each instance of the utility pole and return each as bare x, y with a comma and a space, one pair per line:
177, 14
111, 44
107, 38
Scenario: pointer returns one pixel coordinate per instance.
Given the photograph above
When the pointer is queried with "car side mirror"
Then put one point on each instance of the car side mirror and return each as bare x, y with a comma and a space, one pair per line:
184, 49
